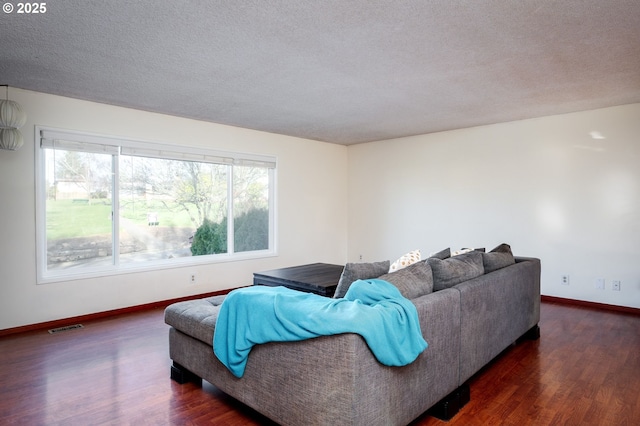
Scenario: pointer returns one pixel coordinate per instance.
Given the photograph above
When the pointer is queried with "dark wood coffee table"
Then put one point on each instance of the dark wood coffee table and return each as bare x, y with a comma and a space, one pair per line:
319, 278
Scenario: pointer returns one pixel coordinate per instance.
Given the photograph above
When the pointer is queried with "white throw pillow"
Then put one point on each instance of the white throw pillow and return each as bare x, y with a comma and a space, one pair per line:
406, 260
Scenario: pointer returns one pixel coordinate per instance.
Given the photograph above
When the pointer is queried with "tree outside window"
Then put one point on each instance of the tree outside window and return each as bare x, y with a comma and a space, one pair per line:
166, 209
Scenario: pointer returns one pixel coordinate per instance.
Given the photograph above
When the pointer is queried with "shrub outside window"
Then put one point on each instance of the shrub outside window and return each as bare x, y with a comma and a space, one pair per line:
108, 205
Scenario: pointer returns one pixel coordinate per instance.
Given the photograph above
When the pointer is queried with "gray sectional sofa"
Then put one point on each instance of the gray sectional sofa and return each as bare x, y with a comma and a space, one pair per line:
470, 317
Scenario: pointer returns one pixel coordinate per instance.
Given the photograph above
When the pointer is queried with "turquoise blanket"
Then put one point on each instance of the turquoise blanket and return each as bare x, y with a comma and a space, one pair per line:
374, 309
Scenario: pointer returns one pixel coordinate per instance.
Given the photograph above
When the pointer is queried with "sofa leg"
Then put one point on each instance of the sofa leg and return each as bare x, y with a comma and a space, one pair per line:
533, 333
464, 395
445, 409
449, 406
181, 375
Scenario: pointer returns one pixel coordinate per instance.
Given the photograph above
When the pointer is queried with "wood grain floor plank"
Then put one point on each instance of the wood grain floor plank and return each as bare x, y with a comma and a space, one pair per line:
584, 370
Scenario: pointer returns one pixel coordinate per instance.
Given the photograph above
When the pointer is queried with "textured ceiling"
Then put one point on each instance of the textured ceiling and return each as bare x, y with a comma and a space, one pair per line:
337, 71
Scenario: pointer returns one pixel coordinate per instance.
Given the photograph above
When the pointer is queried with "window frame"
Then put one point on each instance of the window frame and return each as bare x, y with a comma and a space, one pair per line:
46, 137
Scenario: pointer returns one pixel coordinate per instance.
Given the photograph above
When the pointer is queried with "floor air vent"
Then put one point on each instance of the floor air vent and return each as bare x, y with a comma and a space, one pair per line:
66, 328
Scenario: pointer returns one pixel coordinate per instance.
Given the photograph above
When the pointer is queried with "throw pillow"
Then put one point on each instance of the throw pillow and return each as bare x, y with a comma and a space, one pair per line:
461, 251
454, 270
406, 260
498, 258
359, 271
442, 254
413, 281
467, 250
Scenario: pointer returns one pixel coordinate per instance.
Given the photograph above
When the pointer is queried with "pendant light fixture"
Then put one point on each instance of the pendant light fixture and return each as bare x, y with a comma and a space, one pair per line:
12, 117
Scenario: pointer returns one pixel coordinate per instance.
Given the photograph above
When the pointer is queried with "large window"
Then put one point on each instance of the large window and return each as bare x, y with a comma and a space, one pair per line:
107, 205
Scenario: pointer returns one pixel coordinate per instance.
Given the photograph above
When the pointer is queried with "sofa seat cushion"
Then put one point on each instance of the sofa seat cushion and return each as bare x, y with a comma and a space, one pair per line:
195, 318
454, 270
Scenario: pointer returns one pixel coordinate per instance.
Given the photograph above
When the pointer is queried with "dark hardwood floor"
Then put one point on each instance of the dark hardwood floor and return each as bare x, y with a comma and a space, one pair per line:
584, 370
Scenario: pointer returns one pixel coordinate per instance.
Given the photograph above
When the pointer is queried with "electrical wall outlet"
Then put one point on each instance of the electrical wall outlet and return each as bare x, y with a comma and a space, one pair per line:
615, 285
564, 280
600, 283
192, 279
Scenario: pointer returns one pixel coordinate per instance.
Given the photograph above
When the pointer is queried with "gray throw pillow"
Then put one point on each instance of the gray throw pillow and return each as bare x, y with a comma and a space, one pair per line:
359, 271
454, 270
442, 254
413, 281
498, 258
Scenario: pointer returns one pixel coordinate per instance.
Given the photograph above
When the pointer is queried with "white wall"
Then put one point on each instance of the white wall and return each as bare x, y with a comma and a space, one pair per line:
311, 198
545, 186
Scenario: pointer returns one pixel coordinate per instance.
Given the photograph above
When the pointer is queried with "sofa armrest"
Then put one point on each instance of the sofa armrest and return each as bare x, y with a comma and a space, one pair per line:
496, 309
